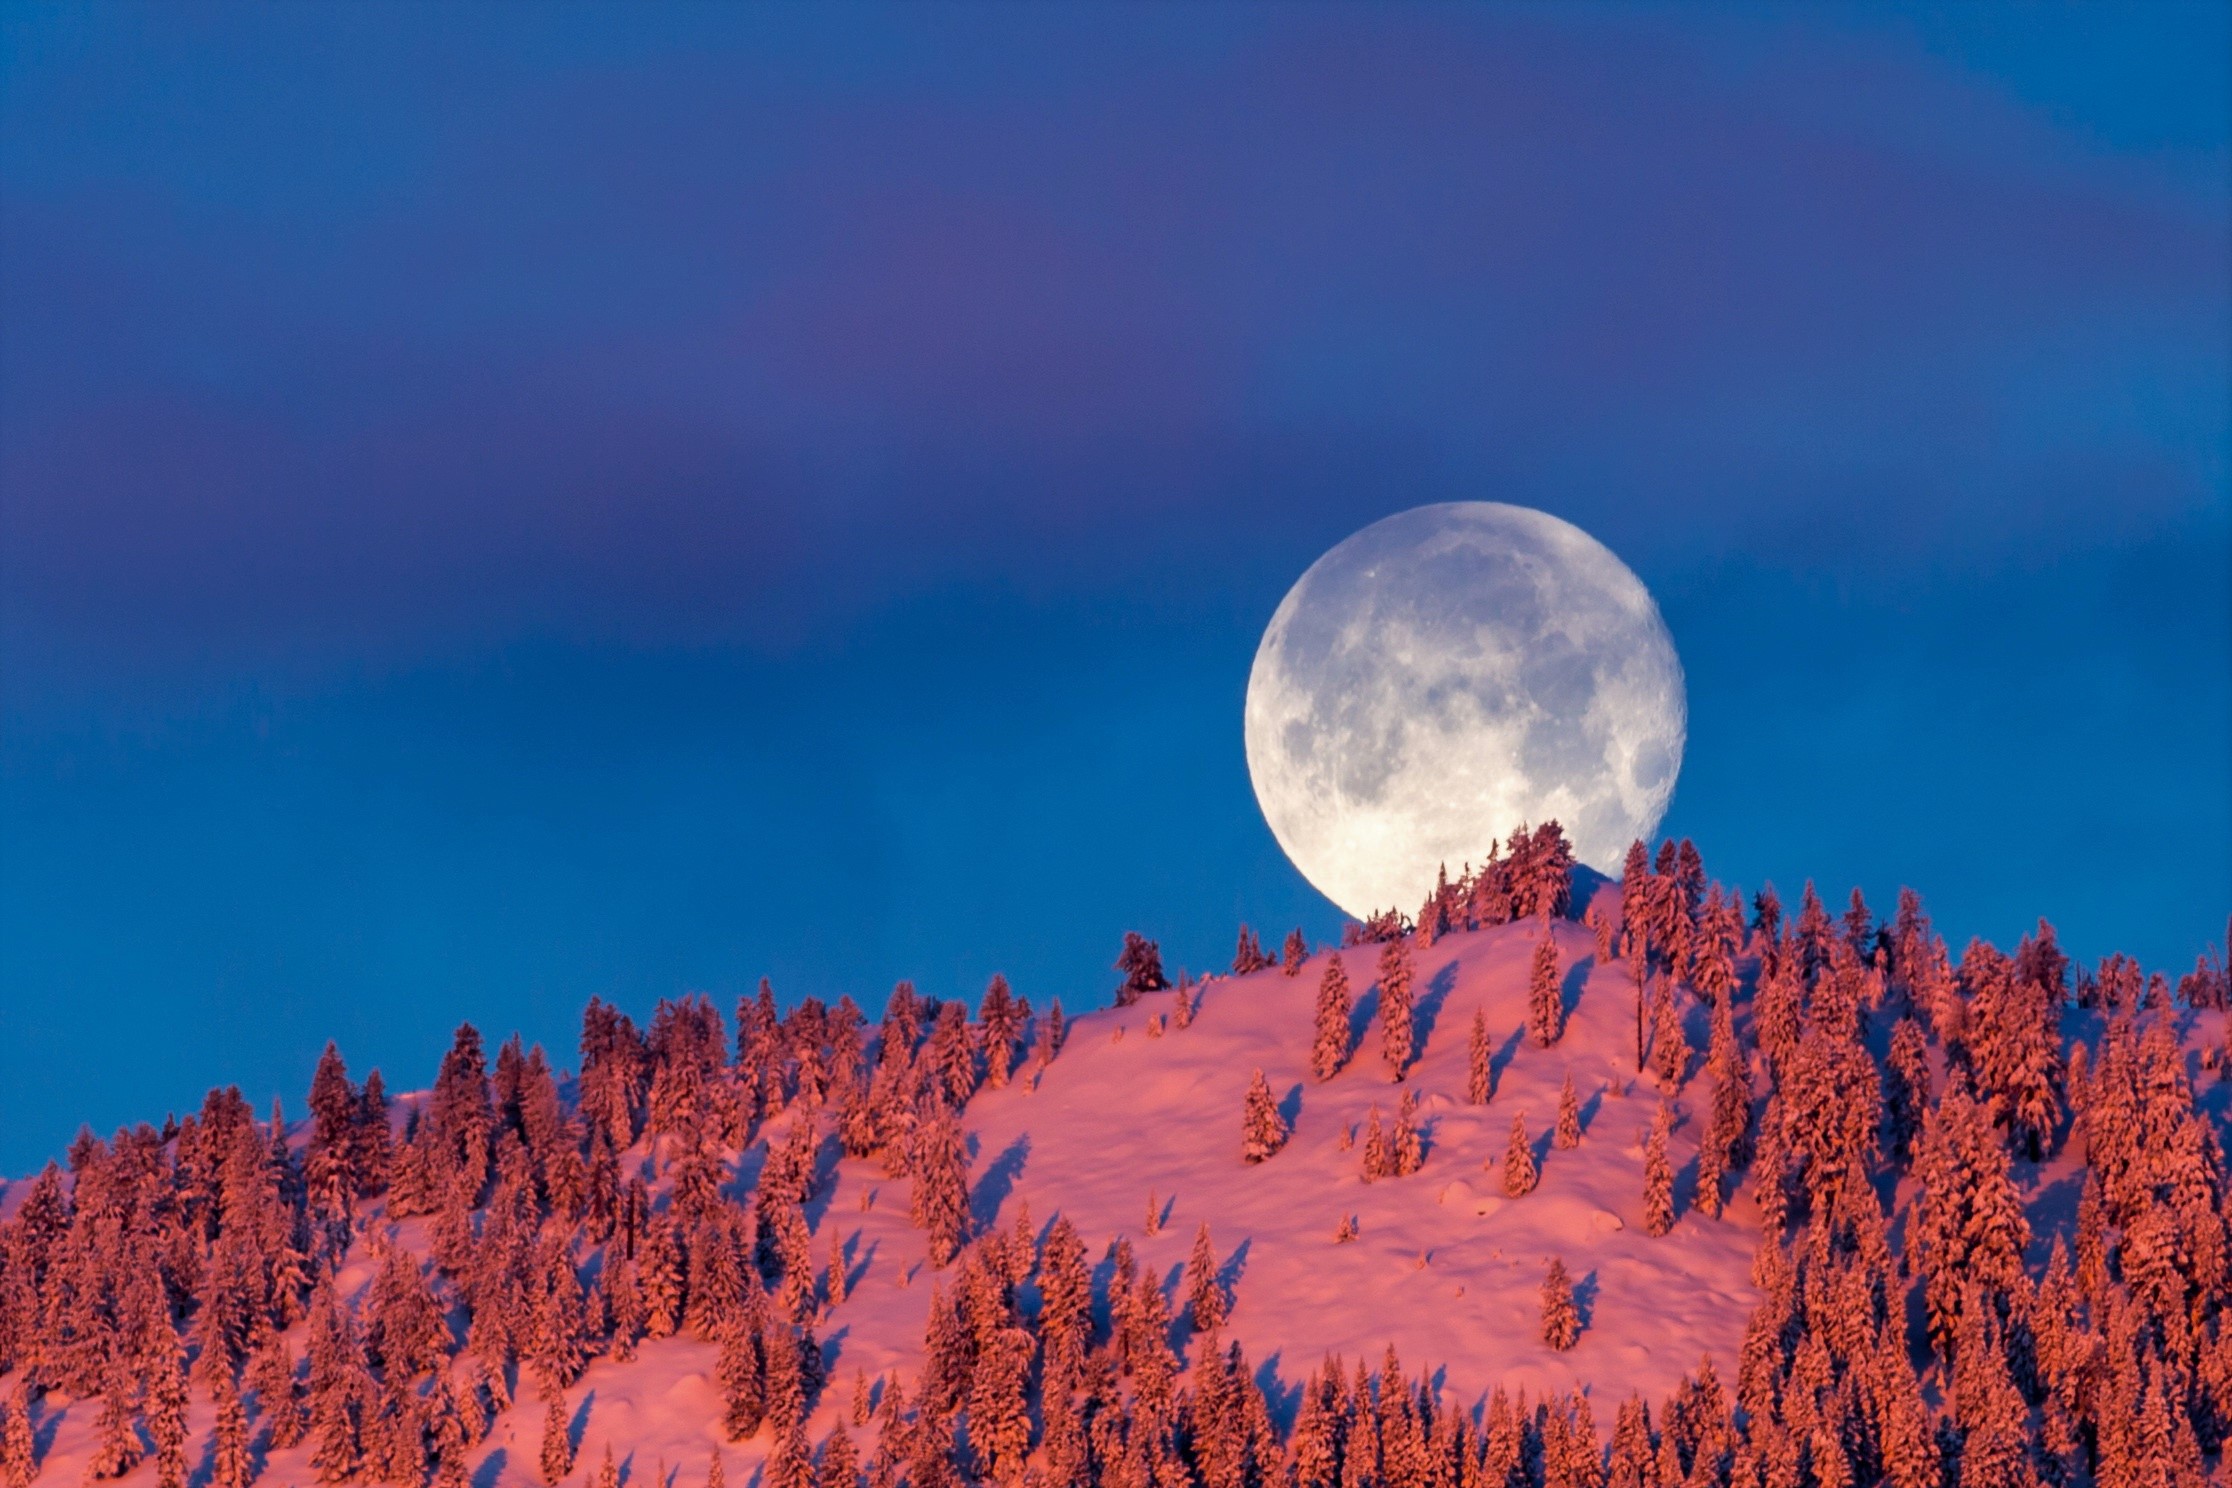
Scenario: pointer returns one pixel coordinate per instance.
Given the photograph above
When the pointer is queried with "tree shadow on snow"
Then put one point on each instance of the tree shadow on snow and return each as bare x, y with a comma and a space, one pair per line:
745, 1177
821, 1170
1500, 1061
999, 1180
1366, 1008
2053, 1212
1427, 1010
1282, 1397
1585, 1299
832, 1350
1103, 1277
42, 1436
491, 1470
1235, 1266
857, 1261
1589, 1110
1570, 979
1290, 1106
1685, 1189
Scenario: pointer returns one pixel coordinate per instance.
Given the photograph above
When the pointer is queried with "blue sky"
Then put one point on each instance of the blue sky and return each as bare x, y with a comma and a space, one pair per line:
504, 505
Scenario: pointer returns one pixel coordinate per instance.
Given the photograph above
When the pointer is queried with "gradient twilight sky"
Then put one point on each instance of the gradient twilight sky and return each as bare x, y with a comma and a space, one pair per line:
500, 503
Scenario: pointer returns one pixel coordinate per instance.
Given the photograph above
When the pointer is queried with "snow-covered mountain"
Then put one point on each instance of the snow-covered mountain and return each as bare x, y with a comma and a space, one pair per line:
1892, 1098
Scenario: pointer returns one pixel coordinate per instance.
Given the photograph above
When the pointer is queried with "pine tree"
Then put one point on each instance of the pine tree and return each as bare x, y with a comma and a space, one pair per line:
331, 1174
1479, 1072
557, 1442
558, 1343
1519, 1172
940, 1202
1968, 1227
1315, 1447
1906, 1085
1331, 1049
1000, 1014
1406, 1148
278, 1395
1263, 1131
1065, 1317
999, 1405
1569, 1116
952, 1054
18, 1459
1545, 997
405, 1332
1396, 1031
1658, 1175
790, 1460
1379, 1160
1295, 952
231, 1465
116, 1448
1057, 1029
1636, 893
1141, 964
742, 1374
1989, 1411
394, 1436
1205, 1298
1712, 1162
608, 1473
1248, 955
1720, 936
461, 1120
839, 1464
164, 1362
835, 1286
1561, 1320
1633, 1464
1542, 871
659, 1263
1428, 925
1670, 1050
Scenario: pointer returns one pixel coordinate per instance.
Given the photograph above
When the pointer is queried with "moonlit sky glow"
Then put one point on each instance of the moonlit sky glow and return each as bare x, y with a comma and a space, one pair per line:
503, 503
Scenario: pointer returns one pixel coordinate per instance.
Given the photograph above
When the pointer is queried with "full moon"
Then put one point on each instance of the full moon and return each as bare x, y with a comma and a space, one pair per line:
1446, 675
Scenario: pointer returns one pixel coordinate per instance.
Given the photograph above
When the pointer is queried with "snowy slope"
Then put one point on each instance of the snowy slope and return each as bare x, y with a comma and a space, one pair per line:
1445, 1268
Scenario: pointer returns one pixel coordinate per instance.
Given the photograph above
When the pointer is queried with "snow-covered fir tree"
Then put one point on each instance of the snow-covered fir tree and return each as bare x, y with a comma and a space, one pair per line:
1329, 1050
1569, 1116
1397, 1034
1519, 1172
1561, 1320
1263, 1131
1658, 1175
1545, 994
